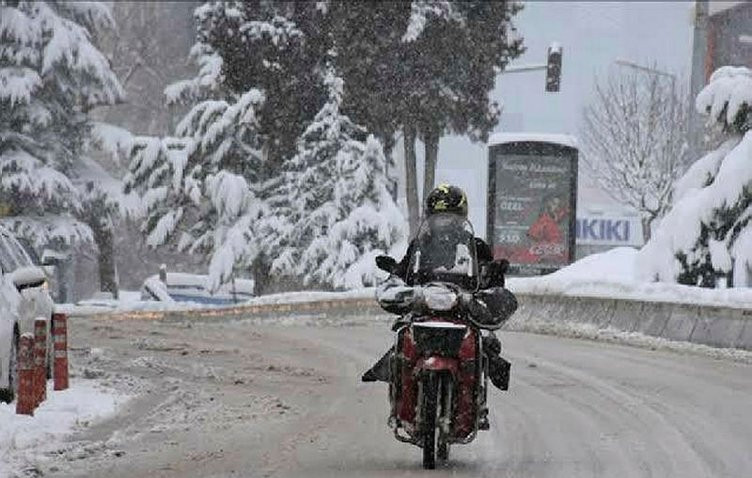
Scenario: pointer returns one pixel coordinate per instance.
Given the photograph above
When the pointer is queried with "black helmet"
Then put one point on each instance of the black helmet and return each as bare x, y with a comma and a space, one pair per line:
446, 199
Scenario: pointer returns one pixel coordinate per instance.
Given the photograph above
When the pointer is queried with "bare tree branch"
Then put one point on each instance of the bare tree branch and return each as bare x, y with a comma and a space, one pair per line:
634, 140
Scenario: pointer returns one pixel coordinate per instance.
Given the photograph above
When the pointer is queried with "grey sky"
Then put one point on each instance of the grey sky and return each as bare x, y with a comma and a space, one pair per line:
593, 35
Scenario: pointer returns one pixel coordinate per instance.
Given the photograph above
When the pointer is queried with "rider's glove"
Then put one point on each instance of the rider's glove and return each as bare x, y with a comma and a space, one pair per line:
466, 299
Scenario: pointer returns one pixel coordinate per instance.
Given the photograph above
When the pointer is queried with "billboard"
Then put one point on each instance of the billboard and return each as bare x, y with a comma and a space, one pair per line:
532, 203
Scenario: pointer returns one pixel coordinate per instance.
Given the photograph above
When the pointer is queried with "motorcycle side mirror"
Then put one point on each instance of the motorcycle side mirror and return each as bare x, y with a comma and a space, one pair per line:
502, 265
386, 263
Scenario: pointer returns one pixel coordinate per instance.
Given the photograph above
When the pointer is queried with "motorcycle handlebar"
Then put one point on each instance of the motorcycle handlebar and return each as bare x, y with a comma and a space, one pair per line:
419, 306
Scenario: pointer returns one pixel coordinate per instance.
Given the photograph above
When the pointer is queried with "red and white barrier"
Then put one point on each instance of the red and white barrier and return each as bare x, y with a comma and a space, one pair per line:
40, 360
60, 350
32, 363
26, 401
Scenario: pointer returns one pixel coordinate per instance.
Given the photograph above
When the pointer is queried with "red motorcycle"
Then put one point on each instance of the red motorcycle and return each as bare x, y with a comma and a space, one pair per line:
438, 369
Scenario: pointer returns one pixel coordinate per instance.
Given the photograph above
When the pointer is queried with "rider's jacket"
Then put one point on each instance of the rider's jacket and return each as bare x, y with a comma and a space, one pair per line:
492, 304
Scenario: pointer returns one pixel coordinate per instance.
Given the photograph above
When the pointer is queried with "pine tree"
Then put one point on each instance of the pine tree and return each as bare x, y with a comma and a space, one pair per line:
708, 232
227, 183
198, 189
450, 55
51, 75
343, 214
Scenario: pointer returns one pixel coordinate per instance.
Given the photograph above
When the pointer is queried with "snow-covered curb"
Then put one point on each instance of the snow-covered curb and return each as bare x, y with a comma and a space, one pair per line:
23, 438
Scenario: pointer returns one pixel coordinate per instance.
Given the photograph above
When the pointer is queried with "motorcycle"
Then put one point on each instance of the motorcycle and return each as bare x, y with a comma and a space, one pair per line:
439, 379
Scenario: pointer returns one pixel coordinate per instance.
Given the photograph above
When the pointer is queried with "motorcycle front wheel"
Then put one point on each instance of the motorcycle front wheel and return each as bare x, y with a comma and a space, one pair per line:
428, 419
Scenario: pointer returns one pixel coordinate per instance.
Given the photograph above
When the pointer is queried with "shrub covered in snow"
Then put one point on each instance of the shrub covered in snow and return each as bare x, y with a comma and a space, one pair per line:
708, 232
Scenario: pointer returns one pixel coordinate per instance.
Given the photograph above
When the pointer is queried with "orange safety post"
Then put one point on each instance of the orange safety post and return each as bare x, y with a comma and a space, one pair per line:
25, 402
60, 342
40, 359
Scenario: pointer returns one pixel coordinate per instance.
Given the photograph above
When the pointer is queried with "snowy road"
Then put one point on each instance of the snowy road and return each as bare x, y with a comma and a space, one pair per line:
223, 398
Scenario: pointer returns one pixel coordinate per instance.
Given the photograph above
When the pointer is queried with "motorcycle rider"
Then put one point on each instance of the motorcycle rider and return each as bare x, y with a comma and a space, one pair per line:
492, 304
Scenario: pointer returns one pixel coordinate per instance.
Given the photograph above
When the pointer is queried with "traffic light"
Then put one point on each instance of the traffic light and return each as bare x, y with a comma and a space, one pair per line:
553, 68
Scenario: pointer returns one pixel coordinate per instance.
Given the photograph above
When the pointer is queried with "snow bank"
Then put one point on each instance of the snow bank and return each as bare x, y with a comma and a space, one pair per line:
60, 415
614, 275
680, 229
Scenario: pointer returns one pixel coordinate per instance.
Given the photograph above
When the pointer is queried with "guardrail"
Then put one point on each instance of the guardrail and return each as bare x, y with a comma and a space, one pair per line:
724, 327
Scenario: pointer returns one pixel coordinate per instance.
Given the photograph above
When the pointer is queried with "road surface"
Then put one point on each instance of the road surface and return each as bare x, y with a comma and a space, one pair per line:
221, 398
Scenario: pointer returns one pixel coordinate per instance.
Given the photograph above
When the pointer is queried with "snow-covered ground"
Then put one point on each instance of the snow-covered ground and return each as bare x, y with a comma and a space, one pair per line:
613, 274
24, 439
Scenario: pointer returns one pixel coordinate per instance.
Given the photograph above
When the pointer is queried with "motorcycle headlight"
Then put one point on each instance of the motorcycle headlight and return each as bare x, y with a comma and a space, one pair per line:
439, 298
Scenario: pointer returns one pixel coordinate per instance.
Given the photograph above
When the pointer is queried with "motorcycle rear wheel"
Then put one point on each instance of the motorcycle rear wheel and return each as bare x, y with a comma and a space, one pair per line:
442, 452
429, 406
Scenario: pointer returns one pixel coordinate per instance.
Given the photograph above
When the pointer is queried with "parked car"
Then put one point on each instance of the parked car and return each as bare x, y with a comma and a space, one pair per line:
24, 296
182, 287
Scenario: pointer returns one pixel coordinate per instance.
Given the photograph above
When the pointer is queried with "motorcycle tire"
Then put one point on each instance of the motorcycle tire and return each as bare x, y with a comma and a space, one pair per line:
429, 406
442, 452
442, 447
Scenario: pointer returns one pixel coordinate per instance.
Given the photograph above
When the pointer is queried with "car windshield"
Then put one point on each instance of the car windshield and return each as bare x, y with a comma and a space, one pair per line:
8, 260
445, 251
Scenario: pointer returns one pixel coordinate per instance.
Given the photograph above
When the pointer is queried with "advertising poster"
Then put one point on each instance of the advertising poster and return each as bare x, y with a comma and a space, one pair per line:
533, 209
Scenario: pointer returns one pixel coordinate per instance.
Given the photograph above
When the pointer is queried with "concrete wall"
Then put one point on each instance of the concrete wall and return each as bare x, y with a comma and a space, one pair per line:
714, 326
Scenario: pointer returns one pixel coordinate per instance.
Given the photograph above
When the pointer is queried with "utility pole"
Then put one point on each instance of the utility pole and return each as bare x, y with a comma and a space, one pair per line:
697, 80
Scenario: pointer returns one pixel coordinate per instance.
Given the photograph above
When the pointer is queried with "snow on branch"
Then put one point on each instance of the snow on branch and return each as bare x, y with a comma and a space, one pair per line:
422, 10
727, 98
707, 232
634, 141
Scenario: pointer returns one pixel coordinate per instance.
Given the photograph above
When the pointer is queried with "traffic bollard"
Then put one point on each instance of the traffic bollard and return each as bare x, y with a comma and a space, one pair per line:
60, 345
40, 359
25, 400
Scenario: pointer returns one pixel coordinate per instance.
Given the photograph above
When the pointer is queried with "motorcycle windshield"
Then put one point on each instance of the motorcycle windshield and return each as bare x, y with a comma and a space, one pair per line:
444, 252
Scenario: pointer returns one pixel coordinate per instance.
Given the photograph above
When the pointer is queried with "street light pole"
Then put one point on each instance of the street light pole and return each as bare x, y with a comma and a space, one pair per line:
653, 71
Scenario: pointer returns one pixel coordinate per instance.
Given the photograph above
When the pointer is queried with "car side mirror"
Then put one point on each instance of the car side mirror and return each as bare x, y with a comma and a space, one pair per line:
26, 277
386, 263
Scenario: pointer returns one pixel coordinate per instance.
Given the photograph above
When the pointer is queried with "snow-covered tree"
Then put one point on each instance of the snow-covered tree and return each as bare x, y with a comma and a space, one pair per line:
448, 60
634, 141
227, 183
51, 75
342, 213
708, 232
199, 189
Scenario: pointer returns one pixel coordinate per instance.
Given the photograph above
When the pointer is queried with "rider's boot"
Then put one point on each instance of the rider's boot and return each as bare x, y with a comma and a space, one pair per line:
498, 368
483, 423
498, 372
